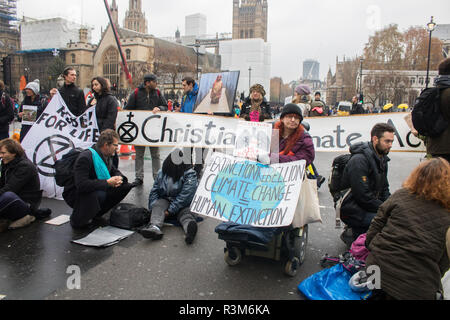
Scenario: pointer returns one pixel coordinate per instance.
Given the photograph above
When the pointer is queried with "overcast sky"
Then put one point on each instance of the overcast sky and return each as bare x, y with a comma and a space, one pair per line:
298, 29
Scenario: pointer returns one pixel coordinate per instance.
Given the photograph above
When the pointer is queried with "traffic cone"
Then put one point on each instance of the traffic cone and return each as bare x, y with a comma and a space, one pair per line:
124, 150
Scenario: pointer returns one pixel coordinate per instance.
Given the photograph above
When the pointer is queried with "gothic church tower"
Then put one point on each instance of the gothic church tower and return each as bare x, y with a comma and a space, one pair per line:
134, 18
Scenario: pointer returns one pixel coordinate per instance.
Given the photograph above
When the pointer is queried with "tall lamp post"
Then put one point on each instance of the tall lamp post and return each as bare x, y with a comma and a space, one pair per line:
197, 45
249, 78
360, 80
430, 26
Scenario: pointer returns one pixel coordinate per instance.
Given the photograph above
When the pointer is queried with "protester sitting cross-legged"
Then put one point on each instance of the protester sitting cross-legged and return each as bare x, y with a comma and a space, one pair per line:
171, 196
20, 193
98, 185
407, 238
294, 142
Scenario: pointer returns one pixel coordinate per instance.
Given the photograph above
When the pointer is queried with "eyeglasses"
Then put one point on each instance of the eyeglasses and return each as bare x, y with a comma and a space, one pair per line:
292, 116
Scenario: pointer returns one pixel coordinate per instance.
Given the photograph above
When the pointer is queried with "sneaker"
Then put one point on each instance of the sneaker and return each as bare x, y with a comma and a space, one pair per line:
152, 232
22, 222
138, 182
42, 213
191, 232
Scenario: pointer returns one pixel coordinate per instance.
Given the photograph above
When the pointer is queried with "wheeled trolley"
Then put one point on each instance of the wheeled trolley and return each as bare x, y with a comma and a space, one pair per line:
287, 244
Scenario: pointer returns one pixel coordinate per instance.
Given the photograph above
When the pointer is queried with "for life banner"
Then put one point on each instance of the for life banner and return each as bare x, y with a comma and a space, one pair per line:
338, 133
250, 193
56, 132
173, 129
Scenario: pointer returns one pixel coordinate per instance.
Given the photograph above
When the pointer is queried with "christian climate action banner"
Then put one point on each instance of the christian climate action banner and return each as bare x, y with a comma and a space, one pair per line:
246, 192
338, 133
56, 132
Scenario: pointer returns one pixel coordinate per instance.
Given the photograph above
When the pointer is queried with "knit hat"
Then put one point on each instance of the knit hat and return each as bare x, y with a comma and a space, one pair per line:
291, 108
259, 88
149, 77
34, 86
303, 90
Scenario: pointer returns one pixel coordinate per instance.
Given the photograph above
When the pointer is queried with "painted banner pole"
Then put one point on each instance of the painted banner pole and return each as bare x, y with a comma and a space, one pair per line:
119, 45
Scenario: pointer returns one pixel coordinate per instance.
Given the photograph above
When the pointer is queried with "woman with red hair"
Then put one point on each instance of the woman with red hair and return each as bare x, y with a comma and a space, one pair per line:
407, 238
295, 143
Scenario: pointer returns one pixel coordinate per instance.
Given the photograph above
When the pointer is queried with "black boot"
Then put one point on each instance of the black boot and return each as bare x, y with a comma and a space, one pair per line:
191, 232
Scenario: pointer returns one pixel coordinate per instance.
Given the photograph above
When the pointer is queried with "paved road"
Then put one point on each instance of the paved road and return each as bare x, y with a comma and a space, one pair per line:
34, 260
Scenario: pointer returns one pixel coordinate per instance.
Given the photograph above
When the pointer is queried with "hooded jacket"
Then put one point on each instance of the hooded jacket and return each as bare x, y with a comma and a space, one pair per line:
21, 177
366, 175
441, 145
38, 102
189, 99
146, 101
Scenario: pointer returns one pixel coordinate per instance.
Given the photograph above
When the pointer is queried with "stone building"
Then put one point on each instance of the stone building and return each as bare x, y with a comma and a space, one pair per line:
250, 19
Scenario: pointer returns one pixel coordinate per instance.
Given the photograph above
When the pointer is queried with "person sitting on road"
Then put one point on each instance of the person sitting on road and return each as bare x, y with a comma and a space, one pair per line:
98, 185
171, 196
295, 142
366, 176
407, 238
20, 189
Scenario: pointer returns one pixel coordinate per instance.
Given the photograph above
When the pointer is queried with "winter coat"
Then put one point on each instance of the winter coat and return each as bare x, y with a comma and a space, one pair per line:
366, 175
265, 110
407, 241
318, 109
21, 177
39, 103
106, 111
6, 112
441, 145
302, 150
146, 101
357, 109
179, 194
74, 99
189, 99
80, 194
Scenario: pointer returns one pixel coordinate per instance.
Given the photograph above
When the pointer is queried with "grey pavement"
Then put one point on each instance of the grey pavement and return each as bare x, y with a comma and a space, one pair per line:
34, 260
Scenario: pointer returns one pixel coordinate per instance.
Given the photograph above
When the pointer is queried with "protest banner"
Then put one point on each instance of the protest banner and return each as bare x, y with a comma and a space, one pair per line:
173, 129
246, 192
56, 132
338, 133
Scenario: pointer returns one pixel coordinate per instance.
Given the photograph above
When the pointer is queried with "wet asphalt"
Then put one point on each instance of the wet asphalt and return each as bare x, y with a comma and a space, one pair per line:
36, 262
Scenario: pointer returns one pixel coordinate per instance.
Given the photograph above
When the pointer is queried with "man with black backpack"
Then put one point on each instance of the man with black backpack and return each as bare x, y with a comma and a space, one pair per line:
147, 98
439, 145
365, 178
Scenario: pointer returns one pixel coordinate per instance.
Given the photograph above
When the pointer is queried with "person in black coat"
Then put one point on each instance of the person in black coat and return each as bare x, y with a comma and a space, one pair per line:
366, 176
256, 104
106, 110
6, 112
148, 98
91, 196
32, 98
71, 94
20, 193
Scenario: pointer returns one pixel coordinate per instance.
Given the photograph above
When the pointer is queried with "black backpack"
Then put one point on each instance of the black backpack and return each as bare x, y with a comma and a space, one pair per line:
337, 172
128, 216
64, 167
427, 117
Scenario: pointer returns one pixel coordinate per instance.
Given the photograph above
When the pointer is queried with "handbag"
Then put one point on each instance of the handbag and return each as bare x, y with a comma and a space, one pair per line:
308, 210
129, 216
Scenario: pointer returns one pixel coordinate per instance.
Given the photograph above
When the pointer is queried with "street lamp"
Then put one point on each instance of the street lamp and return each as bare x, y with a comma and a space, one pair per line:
430, 26
197, 45
249, 78
360, 80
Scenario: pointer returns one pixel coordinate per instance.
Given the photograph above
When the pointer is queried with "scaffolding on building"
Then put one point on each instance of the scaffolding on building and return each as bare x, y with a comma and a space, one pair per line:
8, 16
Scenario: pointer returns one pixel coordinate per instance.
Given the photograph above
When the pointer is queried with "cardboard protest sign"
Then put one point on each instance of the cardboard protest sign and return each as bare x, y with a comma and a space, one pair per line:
246, 192
29, 115
56, 132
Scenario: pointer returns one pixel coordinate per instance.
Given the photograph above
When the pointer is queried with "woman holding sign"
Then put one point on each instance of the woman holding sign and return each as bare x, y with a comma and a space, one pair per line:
31, 108
294, 142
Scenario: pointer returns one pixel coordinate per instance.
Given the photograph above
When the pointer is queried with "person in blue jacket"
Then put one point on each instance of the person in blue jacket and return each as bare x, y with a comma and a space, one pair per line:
190, 89
171, 197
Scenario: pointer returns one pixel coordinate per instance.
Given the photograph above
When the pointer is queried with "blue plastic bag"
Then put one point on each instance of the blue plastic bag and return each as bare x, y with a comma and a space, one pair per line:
331, 284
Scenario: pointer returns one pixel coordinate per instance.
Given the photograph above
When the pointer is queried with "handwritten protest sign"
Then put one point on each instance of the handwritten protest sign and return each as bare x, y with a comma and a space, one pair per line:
253, 141
246, 192
56, 132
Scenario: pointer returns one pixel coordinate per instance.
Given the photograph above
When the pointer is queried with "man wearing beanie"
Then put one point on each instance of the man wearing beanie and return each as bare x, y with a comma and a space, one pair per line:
32, 98
255, 107
147, 97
